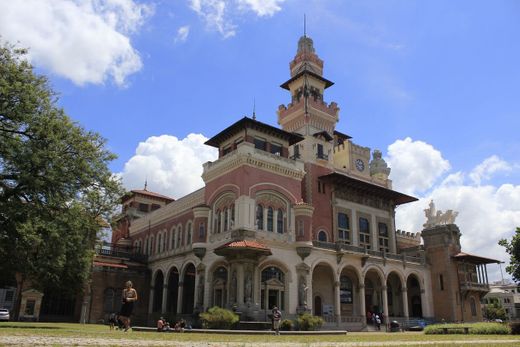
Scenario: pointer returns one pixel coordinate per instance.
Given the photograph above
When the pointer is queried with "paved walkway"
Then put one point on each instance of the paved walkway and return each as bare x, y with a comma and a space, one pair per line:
85, 341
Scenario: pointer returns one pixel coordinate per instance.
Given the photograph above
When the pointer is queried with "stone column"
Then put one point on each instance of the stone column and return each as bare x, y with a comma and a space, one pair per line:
241, 284
362, 303
423, 300
384, 293
179, 297
404, 292
337, 302
164, 298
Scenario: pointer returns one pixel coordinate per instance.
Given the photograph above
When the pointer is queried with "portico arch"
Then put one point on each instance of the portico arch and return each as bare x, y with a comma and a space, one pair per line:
394, 290
158, 291
413, 286
188, 288
173, 290
349, 282
374, 290
323, 286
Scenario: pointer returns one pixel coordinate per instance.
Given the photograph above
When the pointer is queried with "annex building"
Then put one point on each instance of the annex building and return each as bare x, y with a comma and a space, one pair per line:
298, 216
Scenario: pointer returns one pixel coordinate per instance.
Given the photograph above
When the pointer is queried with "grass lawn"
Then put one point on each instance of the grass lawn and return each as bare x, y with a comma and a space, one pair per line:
93, 331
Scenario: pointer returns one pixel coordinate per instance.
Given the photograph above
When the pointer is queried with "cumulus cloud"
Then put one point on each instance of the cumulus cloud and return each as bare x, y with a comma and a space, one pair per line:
487, 213
218, 14
487, 168
172, 166
85, 41
262, 7
415, 165
182, 33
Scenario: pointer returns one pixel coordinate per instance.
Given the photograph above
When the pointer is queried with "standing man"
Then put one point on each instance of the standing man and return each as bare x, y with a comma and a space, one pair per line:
277, 317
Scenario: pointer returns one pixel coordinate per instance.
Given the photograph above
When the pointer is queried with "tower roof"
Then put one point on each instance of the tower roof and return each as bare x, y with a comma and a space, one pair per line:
248, 123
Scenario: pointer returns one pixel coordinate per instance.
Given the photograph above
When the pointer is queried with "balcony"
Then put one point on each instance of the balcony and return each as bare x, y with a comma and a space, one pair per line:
111, 250
474, 287
338, 246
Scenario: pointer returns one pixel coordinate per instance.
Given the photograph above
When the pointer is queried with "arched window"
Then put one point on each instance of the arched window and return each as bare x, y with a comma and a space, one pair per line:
172, 239
215, 222
202, 230
159, 243
279, 222
364, 233
232, 217
165, 241
151, 245
270, 214
145, 248
259, 217
301, 227
219, 221
322, 236
179, 236
473, 306
188, 234
226, 218
343, 228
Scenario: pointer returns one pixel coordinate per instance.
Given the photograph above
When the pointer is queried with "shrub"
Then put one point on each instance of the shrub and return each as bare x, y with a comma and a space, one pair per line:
474, 328
218, 318
307, 322
515, 328
286, 325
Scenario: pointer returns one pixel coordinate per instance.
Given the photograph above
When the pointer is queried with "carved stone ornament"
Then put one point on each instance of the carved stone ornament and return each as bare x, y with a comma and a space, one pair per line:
434, 217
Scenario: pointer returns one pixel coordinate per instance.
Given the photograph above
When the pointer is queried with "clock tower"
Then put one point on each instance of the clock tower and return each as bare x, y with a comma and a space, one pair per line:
308, 114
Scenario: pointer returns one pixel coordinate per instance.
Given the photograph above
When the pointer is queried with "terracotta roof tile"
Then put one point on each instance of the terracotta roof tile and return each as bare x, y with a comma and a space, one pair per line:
244, 244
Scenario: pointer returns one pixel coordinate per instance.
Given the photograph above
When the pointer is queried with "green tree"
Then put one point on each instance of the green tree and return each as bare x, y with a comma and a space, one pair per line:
56, 190
513, 248
494, 310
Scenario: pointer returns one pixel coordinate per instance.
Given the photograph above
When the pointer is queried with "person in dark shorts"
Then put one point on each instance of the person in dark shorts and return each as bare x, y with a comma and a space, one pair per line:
129, 297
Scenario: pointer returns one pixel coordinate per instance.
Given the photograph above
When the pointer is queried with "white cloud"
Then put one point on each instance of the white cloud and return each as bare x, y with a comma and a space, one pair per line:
262, 7
172, 167
415, 165
486, 213
487, 168
182, 33
86, 41
219, 14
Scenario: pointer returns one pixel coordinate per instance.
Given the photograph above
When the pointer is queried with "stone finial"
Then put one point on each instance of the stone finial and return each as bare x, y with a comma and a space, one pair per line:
378, 165
434, 217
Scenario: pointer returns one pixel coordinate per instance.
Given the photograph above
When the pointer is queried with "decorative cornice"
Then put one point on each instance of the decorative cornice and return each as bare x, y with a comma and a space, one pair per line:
247, 155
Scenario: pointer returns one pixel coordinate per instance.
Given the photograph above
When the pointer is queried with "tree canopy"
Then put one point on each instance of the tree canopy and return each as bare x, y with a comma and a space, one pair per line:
56, 189
513, 249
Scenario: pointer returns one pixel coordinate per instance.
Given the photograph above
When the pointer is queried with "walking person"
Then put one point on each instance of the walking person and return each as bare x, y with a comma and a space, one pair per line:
277, 317
129, 297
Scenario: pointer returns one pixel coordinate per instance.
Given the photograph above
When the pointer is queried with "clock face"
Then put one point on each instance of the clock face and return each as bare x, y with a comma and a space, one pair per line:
360, 165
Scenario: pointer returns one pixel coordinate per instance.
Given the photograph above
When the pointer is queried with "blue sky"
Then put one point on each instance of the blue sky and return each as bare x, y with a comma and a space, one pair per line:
435, 85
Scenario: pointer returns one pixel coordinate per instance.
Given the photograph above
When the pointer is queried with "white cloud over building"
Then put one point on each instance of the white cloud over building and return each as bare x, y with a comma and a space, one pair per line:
85, 41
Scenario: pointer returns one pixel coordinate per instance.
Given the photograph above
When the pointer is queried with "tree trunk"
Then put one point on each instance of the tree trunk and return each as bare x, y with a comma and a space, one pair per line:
20, 279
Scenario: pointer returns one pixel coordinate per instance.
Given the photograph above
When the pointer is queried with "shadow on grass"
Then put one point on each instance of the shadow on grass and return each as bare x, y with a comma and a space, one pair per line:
29, 327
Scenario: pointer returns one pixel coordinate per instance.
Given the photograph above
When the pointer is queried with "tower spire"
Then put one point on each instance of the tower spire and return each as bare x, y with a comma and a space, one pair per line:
304, 25
254, 108
146, 183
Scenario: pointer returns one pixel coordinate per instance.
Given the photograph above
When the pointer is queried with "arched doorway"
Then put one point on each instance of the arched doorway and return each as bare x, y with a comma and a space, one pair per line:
323, 288
273, 288
188, 291
373, 292
158, 291
394, 295
414, 296
317, 306
220, 277
349, 293
173, 291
